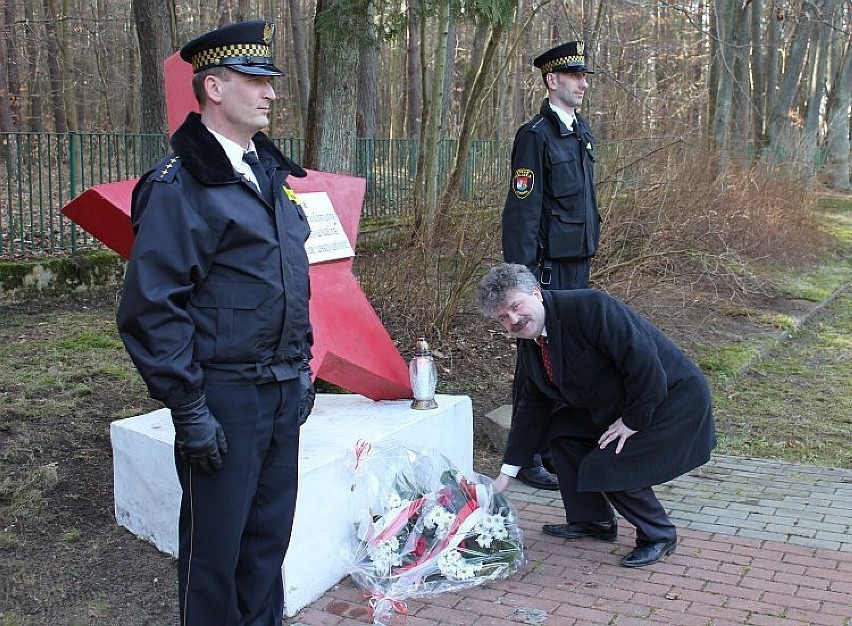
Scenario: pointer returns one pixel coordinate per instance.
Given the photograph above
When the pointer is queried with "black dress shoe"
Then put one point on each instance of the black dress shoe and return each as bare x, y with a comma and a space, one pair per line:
649, 552
602, 531
538, 477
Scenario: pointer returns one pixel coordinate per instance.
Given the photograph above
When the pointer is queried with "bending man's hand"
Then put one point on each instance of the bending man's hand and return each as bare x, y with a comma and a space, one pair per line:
501, 483
617, 431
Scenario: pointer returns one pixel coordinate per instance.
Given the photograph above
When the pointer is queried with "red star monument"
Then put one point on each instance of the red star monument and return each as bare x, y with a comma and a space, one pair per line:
352, 349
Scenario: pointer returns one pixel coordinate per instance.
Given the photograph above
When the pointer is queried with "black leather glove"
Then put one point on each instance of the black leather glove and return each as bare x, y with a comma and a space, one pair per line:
306, 400
199, 437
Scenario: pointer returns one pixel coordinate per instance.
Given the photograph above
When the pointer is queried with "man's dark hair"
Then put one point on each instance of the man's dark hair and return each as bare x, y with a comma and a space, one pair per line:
499, 282
198, 81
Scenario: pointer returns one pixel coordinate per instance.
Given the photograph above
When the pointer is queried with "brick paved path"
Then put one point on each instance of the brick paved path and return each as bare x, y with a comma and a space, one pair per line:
761, 543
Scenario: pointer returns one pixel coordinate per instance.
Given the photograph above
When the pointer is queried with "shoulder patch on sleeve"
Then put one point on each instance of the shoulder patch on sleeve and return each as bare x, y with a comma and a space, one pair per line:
523, 181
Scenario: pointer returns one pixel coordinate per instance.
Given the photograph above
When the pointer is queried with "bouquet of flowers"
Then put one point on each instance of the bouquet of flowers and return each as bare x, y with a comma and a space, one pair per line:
425, 528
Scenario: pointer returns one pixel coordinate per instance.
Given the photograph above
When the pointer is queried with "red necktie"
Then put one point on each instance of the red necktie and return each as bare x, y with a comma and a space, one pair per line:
545, 358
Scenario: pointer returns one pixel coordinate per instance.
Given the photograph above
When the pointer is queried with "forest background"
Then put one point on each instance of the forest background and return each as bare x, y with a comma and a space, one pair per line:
718, 122
715, 121
750, 80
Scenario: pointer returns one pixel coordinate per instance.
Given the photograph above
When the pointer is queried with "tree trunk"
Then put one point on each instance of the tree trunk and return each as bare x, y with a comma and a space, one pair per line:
223, 10
773, 67
741, 96
414, 69
54, 68
68, 91
472, 107
154, 31
476, 53
449, 63
726, 25
109, 72
818, 76
244, 11
330, 139
838, 122
780, 123
426, 210
367, 84
131, 74
301, 60
758, 88
7, 123
36, 109
367, 88
13, 79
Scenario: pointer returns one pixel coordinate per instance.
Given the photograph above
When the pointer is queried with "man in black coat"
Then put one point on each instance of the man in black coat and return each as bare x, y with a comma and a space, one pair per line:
551, 222
623, 408
214, 314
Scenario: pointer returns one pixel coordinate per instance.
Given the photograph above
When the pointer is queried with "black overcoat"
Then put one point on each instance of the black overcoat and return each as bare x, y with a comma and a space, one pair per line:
610, 362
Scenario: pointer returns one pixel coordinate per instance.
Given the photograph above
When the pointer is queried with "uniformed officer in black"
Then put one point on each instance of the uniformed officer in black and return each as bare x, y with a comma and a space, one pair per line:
550, 221
214, 314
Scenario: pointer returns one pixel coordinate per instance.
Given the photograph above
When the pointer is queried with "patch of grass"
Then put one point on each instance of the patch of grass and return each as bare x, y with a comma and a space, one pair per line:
13, 619
835, 203
726, 361
82, 342
819, 283
8, 542
56, 365
796, 404
24, 496
836, 268
93, 610
774, 320
49, 373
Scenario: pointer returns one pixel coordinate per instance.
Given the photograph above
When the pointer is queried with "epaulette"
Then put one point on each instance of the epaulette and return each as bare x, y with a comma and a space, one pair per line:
534, 125
166, 169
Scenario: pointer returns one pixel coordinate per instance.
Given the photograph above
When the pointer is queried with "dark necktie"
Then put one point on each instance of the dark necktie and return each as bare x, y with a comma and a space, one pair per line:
545, 358
263, 182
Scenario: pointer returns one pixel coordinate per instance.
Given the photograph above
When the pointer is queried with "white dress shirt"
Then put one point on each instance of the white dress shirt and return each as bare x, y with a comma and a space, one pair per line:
235, 152
567, 118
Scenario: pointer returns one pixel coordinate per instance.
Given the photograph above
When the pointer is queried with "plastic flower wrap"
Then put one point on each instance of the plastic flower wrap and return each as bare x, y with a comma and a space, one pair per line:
425, 528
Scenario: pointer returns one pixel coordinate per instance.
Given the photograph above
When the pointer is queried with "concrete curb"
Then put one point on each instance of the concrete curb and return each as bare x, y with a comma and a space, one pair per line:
27, 278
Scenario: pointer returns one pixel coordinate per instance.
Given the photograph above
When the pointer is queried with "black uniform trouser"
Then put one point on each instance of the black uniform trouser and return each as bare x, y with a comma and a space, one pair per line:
235, 525
561, 275
640, 507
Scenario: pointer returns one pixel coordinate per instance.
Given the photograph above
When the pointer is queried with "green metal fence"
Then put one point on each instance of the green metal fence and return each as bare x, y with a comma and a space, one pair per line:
45, 171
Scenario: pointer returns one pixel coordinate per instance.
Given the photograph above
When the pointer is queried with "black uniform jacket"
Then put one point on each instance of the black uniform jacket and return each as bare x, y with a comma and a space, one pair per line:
610, 362
217, 284
551, 211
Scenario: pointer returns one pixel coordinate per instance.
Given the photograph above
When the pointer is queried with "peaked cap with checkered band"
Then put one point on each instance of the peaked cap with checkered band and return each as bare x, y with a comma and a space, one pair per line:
245, 47
568, 57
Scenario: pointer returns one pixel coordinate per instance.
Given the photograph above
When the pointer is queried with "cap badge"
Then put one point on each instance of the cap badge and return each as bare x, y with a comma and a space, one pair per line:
268, 31
580, 47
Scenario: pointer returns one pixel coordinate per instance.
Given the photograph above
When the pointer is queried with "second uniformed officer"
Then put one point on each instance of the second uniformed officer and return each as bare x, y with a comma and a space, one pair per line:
214, 314
550, 220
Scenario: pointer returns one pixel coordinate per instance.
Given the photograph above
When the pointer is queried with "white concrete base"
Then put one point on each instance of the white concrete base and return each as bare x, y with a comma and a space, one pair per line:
147, 493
